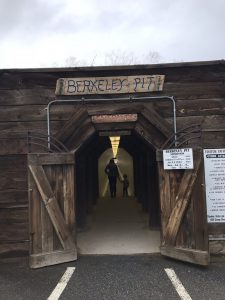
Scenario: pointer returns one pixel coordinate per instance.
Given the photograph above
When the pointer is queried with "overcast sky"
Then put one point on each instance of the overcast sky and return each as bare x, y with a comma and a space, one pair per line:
45, 33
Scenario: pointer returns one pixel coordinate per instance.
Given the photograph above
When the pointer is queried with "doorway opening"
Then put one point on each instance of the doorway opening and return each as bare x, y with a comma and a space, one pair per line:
124, 162
122, 225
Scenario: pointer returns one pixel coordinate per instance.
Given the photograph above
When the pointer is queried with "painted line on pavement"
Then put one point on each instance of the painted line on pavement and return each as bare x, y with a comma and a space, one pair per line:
56, 293
177, 284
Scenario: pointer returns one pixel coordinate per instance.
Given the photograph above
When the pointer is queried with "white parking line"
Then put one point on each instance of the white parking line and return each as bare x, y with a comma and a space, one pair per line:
177, 284
56, 293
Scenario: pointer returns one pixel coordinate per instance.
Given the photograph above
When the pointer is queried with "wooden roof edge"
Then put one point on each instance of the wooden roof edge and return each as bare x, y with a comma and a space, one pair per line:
118, 67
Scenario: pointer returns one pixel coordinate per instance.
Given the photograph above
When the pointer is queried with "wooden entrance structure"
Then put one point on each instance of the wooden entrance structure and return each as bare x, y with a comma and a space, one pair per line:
197, 87
51, 183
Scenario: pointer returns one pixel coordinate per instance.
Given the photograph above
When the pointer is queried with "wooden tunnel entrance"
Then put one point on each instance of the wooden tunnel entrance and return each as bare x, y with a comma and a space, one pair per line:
144, 173
52, 192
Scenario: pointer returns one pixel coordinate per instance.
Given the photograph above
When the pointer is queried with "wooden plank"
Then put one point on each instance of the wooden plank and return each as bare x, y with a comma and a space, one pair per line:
164, 191
182, 200
14, 232
217, 248
115, 118
14, 249
192, 107
114, 108
207, 122
35, 226
216, 228
46, 224
13, 215
8, 163
68, 196
149, 133
72, 124
13, 198
210, 139
58, 192
114, 126
52, 206
24, 127
81, 136
109, 85
31, 113
37, 95
13, 181
196, 89
189, 255
39, 159
200, 230
15, 146
155, 119
52, 258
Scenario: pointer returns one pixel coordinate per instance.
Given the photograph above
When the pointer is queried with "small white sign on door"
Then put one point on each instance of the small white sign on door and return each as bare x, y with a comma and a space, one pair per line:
178, 159
214, 161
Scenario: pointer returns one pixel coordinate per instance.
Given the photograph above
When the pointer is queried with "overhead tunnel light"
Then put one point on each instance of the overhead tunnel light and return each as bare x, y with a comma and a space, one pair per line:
115, 141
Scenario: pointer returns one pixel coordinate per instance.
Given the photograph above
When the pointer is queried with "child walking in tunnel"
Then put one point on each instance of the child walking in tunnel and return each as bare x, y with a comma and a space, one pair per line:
125, 185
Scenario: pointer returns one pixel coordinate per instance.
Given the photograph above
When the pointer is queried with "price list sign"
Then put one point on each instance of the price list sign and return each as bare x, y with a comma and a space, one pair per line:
178, 159
214, 162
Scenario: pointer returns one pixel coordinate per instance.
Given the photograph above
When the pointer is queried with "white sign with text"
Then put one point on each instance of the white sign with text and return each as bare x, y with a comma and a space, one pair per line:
178, 159
214, 161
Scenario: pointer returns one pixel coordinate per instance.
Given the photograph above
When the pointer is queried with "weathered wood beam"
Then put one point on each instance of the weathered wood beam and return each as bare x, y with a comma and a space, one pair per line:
150, 114
74, 123
45, 259
182, 199
53, 159
86, 131
149, 132
189, 255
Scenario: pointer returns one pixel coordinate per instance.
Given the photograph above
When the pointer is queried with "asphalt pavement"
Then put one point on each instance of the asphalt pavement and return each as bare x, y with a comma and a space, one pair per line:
118, 277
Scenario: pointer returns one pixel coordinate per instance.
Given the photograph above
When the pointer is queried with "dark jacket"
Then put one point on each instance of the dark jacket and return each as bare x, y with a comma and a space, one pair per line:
111, 170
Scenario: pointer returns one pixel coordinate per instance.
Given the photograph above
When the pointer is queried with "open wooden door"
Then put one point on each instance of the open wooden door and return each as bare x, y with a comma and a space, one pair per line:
184, 233
51, 209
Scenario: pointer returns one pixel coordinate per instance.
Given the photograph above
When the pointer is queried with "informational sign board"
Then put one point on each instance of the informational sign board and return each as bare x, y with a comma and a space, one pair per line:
109, 85
214, 161
178, 159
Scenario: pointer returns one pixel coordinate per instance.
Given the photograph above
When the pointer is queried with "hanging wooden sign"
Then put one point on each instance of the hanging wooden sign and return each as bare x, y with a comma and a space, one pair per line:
110, 85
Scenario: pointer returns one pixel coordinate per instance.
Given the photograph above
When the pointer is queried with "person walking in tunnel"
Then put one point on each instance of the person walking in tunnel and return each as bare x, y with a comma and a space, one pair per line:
112, 171
125, 185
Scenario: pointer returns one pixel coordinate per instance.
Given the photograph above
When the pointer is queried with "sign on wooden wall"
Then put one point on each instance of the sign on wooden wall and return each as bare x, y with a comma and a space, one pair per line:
109, 85
178, 159
214, 161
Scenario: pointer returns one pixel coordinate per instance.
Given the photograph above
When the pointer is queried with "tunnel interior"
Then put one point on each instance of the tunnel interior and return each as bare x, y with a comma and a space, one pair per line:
144, 178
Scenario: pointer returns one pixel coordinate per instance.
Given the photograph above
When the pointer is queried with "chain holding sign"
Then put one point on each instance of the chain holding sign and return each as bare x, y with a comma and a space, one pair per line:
178, 159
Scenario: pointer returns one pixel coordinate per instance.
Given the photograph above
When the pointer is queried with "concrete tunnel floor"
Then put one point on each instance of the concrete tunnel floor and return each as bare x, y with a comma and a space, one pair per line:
118, 226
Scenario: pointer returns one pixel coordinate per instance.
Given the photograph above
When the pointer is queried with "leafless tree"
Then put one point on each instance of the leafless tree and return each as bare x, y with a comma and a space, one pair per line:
73, 61
115, 57
118, 57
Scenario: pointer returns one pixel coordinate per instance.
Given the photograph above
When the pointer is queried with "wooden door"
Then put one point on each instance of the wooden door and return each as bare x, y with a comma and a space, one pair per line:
184, 233
51, 209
